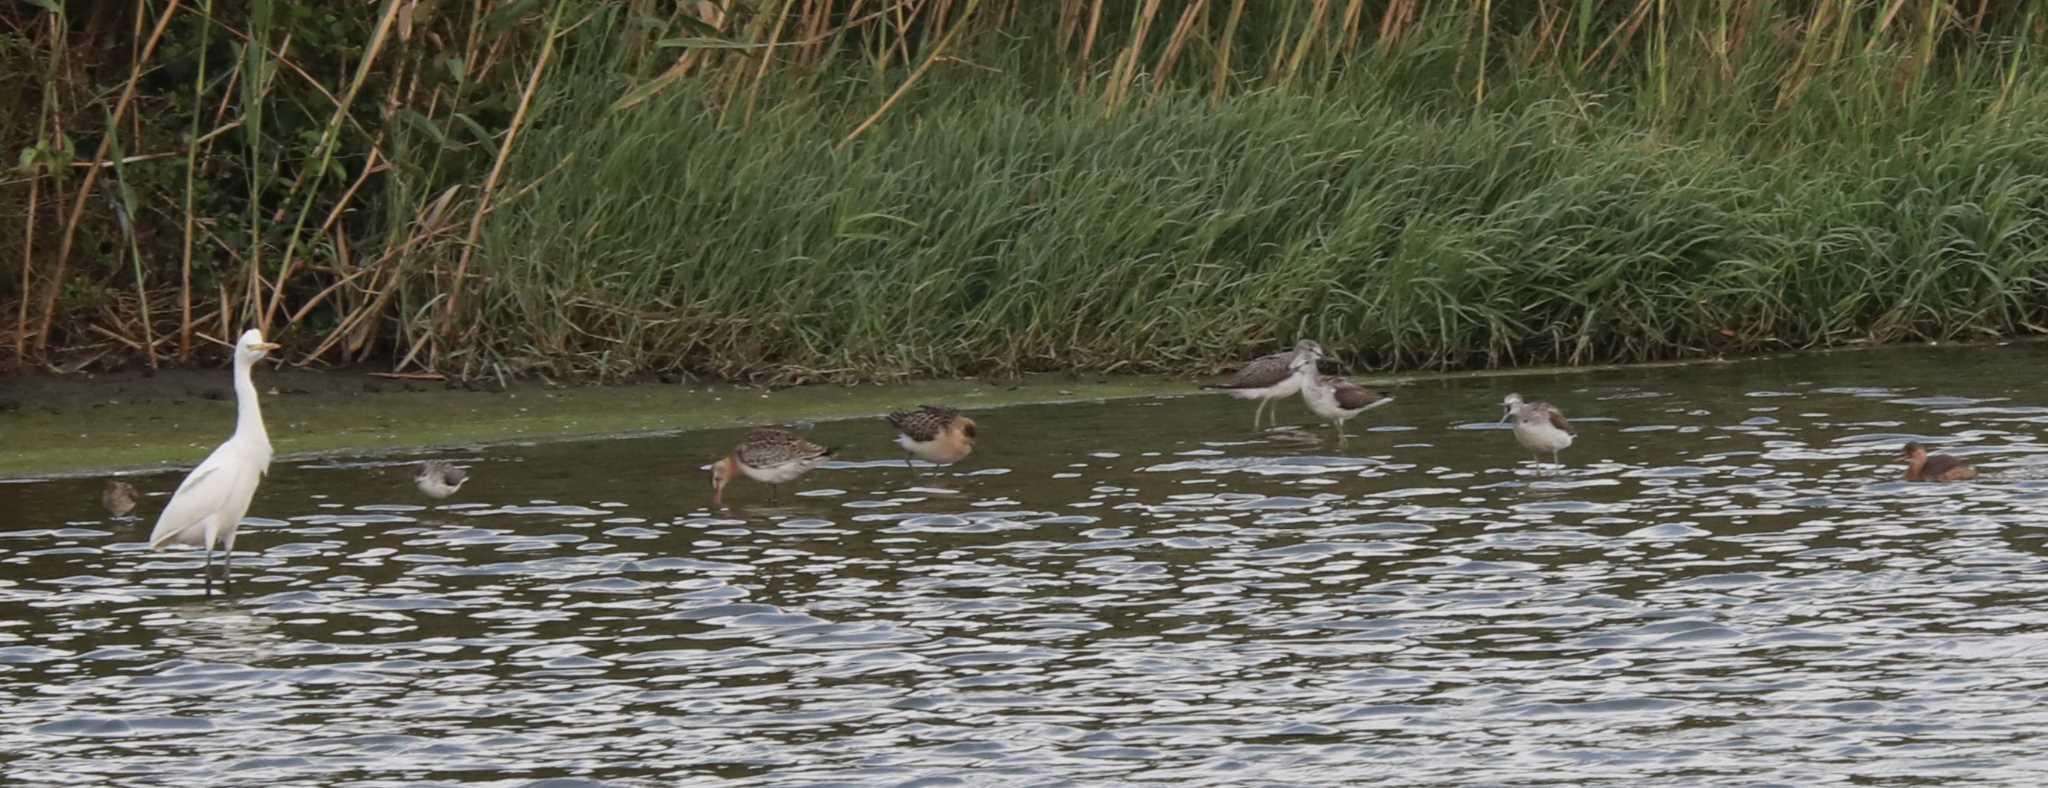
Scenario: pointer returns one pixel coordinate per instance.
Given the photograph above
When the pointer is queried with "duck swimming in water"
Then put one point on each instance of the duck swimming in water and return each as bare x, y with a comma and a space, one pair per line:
1924, 467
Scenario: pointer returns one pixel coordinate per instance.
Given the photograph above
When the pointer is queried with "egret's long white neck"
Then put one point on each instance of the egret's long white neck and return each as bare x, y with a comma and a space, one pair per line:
248, 414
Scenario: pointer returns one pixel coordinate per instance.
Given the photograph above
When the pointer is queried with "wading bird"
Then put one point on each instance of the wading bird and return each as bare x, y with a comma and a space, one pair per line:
1336, 399
1267, 378
935, 434
766, 455
118, 497
208, 506
438, 479
1923, 467
1539, 426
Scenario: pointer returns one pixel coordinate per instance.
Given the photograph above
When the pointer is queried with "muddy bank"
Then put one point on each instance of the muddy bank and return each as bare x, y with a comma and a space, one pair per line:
138, 421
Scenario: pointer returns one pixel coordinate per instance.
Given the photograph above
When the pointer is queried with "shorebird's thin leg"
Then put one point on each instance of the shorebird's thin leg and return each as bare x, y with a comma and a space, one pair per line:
227, 569
1258, 412
207, 571
911, 465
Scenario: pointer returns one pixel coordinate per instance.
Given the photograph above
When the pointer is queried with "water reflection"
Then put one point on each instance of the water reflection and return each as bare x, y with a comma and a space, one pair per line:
1726, 583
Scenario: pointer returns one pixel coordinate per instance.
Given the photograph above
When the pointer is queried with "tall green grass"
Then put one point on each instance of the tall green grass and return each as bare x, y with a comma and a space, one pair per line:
995, 226
871, 189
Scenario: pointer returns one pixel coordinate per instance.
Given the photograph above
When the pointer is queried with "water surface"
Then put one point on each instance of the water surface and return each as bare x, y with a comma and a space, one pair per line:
1726, 584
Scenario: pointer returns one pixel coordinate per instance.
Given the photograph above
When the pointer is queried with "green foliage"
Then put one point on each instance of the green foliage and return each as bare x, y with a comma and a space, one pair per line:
979, 233
842, 190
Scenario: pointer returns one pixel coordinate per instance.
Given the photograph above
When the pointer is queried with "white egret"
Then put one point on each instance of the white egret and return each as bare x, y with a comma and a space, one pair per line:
209, 504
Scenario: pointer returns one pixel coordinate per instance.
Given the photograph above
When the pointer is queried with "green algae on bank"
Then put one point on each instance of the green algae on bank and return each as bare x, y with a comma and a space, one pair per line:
133, 422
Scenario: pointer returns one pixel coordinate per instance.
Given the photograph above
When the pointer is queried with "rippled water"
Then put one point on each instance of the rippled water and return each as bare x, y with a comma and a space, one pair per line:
1726, 584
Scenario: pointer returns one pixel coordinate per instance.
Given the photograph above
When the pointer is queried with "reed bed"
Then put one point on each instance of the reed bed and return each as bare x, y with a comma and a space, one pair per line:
806, 190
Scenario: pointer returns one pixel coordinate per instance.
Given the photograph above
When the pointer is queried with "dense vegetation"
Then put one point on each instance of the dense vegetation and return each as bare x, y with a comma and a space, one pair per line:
866, 189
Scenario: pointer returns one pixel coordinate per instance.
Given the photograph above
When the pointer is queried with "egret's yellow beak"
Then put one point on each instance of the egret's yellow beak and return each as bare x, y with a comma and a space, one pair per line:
267, 346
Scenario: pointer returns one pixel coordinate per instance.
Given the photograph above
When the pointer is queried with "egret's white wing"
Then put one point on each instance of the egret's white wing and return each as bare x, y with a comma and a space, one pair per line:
209, 489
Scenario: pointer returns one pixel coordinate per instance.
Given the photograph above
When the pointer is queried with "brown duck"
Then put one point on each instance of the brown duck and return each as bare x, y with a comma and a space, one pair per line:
1923, 467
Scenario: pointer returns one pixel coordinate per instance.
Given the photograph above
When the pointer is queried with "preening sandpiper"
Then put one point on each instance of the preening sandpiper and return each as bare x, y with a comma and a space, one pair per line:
438, 479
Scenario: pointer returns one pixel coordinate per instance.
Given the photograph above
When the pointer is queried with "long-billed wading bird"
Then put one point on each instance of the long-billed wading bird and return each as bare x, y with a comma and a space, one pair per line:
208, 506
767, 455
933, 433
119, 497
1334, 399
1923, 467
1539, 426
438, 479
1267, 378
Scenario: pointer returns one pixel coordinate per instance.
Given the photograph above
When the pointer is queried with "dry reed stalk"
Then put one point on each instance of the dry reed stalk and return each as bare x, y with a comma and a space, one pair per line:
939, 17
1394, 23
476, 224
28, 258
1804, 67
903, 89
1620, 37
1070, 23
1935, 10
191, 195
814, 22
1127, 67
322, 154
1088, 37
760, 73
1309, 34
1485, 39
1223, 52
85, 189
353, 328
1884, 22
1179, 39
1354, 16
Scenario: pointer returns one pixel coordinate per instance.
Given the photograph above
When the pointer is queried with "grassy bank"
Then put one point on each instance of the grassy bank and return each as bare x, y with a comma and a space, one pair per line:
846, 190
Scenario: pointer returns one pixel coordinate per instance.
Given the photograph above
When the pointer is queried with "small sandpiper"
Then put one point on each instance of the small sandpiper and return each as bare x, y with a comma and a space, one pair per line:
438, 479
119, 497
766, 455
1539, 426
933, 433
1335, 399
1267, 378
1923, 467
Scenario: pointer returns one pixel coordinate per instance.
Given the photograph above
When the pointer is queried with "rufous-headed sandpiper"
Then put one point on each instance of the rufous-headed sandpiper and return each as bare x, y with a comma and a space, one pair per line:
766, 455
